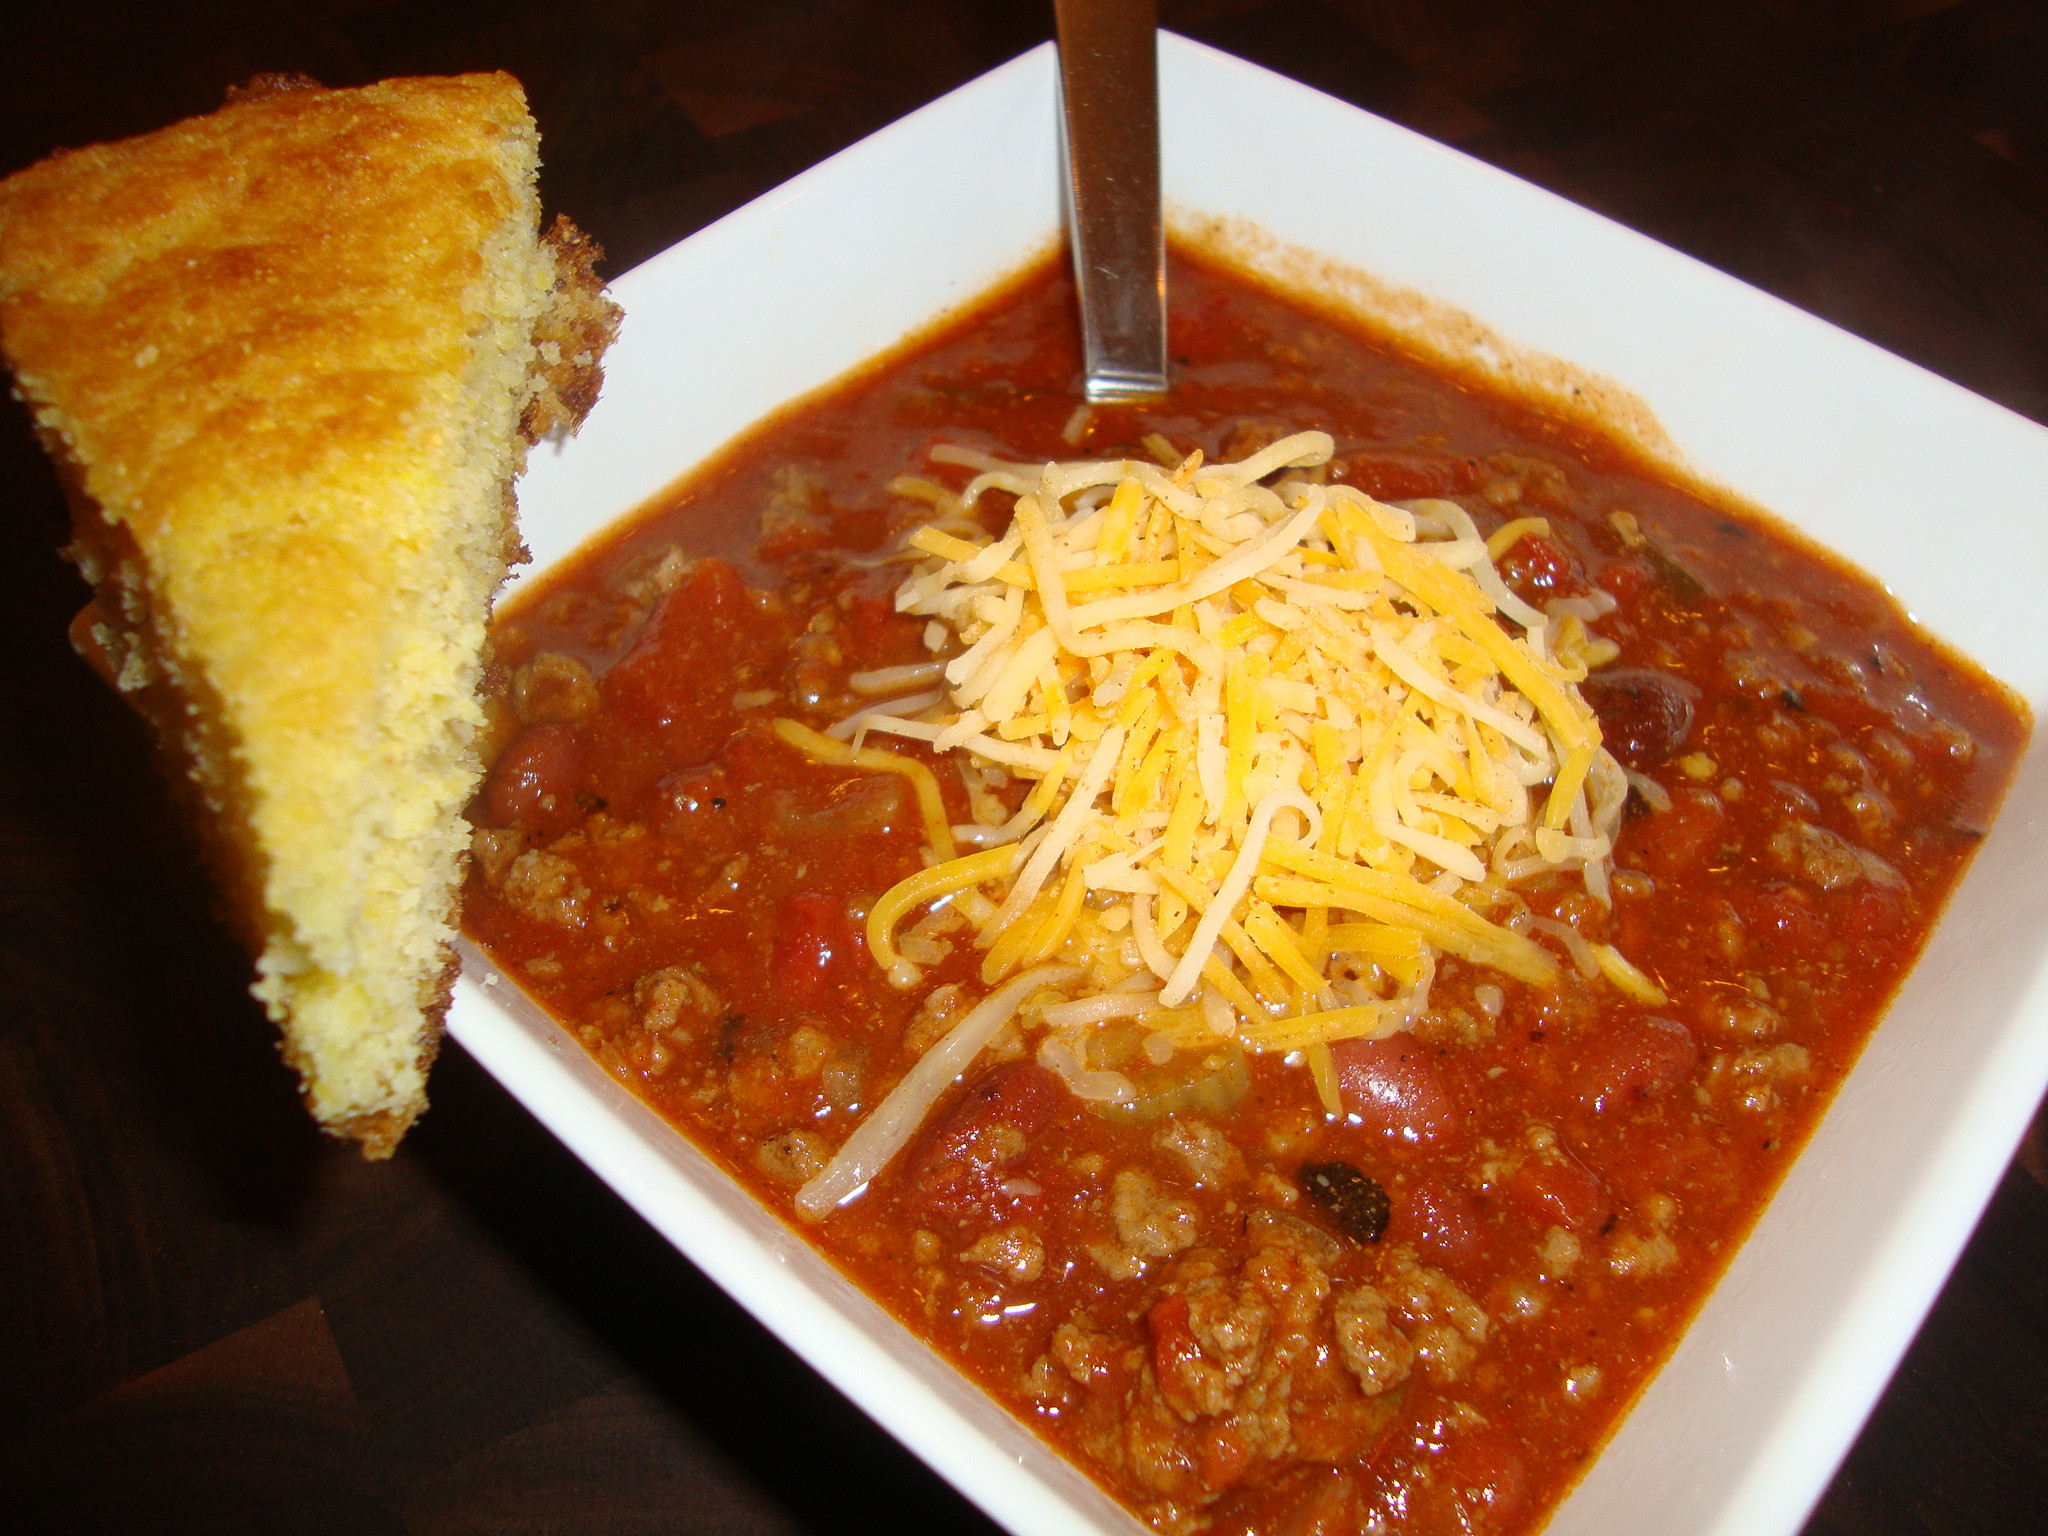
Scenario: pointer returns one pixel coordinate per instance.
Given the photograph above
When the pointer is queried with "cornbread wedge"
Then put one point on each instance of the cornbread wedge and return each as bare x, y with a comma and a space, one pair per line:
289, 357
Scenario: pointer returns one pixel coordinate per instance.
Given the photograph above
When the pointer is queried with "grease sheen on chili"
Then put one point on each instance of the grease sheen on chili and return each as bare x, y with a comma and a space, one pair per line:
1240, 1314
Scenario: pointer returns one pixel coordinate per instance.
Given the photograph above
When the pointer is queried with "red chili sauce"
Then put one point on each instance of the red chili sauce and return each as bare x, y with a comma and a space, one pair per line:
1241, 1315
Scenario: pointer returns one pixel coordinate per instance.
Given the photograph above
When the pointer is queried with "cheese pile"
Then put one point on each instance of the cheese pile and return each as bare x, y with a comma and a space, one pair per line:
1291, 744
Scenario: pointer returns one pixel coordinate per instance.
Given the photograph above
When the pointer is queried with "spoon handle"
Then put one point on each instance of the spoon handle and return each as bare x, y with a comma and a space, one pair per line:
1109, 86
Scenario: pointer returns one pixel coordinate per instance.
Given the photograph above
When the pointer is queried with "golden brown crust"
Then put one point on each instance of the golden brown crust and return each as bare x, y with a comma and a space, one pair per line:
285, 356
254, 236
378, 1133
274, 84
580, 323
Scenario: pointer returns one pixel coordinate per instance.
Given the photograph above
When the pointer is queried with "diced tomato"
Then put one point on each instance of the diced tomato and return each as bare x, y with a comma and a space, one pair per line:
696, 806
1875, 915
753, 756
1535, 568
972, 1164
1641, 1061
815, 944
871, 617
1392, 1088
1186, 1382
1623, 579
1224, 1458
675, 685
1440, 1221
1565, 1192
1779, 800
534, 782
1664, 1164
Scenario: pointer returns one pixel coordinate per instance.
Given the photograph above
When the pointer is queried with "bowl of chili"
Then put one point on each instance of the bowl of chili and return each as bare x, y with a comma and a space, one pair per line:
1743, 1396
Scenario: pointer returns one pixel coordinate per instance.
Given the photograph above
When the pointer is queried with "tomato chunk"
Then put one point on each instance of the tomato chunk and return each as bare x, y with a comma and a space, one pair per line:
1403, 477
1481, 1486
871, 617
1876, 914
695, 806
1310, 1500
676, 683
815, 944
1675, 842
1176, 1355
1785, 926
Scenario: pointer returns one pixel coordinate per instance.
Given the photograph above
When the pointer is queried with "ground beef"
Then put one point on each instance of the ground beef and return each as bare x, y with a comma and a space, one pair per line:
1377, 1352
547, 888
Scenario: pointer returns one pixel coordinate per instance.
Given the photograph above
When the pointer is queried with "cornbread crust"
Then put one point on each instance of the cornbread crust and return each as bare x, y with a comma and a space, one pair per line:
289, 357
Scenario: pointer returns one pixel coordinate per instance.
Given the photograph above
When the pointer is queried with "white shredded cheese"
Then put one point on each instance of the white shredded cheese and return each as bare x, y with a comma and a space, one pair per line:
1177, 655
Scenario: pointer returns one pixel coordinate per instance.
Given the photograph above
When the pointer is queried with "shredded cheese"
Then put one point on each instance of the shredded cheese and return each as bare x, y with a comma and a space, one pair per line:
938, 831
896, 1119
1394, 672
1298, 741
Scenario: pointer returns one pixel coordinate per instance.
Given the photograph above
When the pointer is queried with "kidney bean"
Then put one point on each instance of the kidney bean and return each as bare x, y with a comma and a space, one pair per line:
1356, 1203
534, 782
960, 1170
1392, 1088
1645, 716
1639, 1062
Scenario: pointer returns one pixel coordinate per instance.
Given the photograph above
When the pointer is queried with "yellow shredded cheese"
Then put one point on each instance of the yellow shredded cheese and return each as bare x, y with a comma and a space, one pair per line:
928, 885
1628, 976
937, 830
1295, 740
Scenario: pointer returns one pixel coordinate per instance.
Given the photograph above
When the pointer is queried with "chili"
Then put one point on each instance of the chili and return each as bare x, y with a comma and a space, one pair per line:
1234, 1310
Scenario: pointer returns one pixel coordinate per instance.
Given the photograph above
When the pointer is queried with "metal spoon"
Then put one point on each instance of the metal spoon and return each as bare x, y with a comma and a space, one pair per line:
1109, 85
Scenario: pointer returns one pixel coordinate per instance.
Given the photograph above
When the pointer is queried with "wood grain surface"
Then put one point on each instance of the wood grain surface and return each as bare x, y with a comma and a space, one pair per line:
213, 1321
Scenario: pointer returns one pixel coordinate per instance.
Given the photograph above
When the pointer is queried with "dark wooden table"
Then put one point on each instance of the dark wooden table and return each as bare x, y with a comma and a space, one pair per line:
210, 1320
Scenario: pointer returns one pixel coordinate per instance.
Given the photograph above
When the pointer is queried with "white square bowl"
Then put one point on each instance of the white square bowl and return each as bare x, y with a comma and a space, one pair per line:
1935, 491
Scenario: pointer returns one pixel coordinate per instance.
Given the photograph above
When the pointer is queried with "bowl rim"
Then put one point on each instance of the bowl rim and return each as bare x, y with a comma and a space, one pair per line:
1740, 1429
